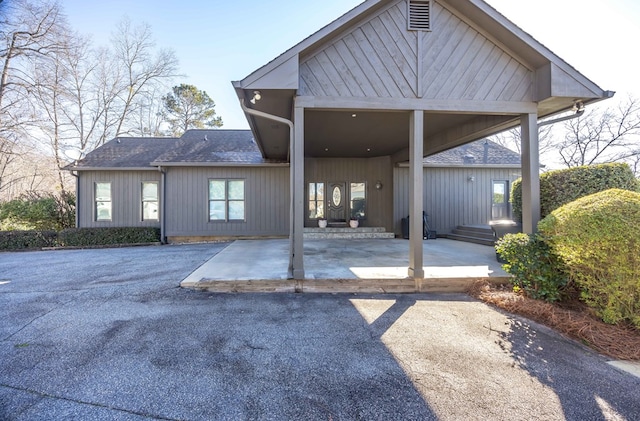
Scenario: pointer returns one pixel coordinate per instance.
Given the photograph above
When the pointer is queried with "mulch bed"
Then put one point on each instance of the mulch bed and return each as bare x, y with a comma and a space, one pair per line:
573, 319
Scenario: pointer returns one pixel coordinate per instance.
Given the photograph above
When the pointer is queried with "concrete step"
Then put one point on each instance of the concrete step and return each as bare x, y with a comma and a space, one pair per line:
343, 229
471, 239
313, 233
477, 234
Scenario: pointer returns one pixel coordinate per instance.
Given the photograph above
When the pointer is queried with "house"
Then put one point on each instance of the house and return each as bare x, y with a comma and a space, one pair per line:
344, 119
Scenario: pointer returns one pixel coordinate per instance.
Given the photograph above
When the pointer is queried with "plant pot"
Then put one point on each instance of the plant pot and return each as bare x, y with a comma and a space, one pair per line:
322, 223
353, 223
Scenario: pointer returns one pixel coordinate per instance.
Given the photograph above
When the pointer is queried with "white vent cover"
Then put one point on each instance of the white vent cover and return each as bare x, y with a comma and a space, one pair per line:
419, 15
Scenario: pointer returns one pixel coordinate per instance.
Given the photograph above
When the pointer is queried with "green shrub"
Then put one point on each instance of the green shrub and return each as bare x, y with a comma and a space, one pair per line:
37, 212
536, 269
81, 237
560, 187
27, 240
598, 239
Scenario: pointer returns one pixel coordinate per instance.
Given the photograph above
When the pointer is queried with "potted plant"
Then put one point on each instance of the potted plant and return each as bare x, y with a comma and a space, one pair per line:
322, 223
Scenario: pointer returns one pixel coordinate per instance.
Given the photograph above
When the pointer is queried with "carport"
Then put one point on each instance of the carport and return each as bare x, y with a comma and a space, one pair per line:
401, 80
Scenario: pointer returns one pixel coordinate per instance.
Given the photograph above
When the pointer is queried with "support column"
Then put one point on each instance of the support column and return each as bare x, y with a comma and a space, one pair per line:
530, 173
297, 161
416, 177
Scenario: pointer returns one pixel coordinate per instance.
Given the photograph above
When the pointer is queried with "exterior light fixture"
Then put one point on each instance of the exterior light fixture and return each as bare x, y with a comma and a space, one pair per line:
471, 179
378, 185
578, 107
256, 97
354, 115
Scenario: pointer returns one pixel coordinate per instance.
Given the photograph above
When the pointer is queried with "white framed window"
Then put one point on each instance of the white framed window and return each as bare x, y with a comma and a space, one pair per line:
357, 200
316, 200
102, 194
150, 203
226, 200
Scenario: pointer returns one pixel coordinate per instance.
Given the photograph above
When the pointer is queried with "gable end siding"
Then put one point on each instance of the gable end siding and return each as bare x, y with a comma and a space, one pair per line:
381, 58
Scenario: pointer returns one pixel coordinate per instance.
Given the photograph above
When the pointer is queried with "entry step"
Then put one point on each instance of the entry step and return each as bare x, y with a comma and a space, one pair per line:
316, 233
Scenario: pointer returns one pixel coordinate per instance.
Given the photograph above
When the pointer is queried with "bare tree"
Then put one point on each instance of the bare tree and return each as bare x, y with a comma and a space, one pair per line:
29, 31
85, 96
141, 70
607, 135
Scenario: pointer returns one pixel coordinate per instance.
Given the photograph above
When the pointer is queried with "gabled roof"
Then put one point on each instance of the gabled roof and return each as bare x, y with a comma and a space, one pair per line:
194, 148
214, 147
126, 153
481, 152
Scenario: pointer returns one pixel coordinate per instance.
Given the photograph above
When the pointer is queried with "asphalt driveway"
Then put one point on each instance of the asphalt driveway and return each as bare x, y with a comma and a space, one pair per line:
108, 335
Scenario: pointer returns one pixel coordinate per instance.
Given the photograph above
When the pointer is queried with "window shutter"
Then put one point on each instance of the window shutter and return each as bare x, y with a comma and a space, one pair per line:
419, 15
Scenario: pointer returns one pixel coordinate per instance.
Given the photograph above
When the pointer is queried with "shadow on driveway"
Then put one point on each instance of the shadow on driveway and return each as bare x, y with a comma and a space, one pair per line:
107, 334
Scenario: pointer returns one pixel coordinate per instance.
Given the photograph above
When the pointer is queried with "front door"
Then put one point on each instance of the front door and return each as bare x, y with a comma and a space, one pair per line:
500, 201
337, 202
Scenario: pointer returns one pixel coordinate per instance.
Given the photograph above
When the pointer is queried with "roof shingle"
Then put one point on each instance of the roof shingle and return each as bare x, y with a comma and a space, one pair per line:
480, 152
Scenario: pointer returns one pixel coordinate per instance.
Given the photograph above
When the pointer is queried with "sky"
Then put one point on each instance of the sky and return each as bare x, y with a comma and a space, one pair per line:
217, 41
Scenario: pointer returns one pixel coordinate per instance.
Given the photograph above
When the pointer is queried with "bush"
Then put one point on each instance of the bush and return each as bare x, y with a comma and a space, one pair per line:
81, 237
27, 240
536, 269
560, 187
37, 212
598, 239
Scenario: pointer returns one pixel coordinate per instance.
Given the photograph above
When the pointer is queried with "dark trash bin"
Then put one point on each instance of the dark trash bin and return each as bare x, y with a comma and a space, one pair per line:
427, 232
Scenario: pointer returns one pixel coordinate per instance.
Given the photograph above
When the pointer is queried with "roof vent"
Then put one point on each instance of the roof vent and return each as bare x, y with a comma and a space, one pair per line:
419, 15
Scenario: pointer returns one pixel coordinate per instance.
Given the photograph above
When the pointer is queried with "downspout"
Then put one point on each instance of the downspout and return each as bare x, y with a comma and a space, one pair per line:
289, 123
163, 183
75, 174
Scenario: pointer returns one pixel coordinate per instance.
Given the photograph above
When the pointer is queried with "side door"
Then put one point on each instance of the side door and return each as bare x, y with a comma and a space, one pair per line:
500, 200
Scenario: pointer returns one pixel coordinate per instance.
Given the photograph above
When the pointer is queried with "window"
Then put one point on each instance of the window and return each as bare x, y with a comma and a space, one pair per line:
358, 200
150, 201
226, 200
316, 200
103, 201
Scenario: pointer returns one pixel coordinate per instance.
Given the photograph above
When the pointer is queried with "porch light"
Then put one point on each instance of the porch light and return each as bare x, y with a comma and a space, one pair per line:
378, 185
471, 179
256, 97
354, 115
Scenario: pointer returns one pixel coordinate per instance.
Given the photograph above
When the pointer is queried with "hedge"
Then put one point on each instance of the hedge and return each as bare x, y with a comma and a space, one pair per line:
560, 187
27, 240
598, 239
77, 237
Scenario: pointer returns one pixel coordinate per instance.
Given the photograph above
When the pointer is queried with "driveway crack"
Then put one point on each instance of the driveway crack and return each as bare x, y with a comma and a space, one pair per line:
81, 402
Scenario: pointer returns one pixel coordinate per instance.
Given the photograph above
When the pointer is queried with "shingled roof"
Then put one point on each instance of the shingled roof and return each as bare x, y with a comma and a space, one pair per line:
481, 152
195, 147
126, 152
214, 147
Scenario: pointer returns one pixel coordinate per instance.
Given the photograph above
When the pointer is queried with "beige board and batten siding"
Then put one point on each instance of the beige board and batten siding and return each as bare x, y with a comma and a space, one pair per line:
379, 204
267, 202
126, 198
380, 58
450, 197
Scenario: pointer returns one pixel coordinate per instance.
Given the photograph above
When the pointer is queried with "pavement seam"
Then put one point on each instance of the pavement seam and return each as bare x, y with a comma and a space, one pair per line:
81, 402
37, 318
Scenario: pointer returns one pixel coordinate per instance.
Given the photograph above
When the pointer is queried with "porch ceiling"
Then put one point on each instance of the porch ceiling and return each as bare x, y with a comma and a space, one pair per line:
353, 133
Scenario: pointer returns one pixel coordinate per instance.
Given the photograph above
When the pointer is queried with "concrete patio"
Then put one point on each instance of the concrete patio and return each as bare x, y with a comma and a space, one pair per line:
340, 265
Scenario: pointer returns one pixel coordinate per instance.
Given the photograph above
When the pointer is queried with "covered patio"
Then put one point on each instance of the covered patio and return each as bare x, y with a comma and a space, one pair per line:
347, 265
378, 89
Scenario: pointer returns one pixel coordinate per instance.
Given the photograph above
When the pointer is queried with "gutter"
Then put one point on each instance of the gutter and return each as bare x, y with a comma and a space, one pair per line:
163, 189
289, 123
75, 174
